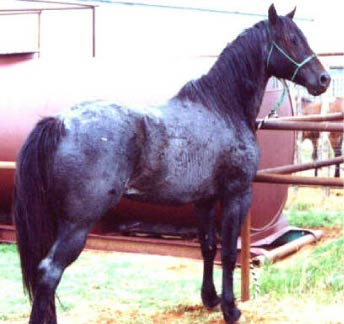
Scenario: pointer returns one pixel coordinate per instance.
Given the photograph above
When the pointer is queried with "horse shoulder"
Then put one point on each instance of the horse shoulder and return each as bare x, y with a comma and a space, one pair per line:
239, 161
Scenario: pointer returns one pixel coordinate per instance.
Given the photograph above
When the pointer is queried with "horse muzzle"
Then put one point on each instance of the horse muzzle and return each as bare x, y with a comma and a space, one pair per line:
319, 84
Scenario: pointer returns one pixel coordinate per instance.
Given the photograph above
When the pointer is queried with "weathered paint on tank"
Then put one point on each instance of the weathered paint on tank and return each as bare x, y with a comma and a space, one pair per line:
37, 88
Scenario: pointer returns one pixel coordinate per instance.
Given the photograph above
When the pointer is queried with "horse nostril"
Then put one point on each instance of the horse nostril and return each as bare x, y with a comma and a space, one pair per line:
325, 79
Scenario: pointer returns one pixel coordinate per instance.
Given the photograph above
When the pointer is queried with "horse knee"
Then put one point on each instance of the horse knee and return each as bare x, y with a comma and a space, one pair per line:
208, 247
209, 252
229, 260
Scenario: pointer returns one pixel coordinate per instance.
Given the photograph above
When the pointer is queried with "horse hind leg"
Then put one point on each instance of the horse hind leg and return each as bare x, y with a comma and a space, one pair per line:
205, 211
68, 245
70, 240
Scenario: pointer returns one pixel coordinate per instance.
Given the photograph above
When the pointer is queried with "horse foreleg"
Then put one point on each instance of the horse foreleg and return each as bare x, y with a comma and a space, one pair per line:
234, 210
205, 211
67, 247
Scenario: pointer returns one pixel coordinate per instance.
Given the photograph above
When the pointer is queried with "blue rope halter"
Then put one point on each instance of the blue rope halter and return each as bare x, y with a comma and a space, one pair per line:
273, 112
298, 65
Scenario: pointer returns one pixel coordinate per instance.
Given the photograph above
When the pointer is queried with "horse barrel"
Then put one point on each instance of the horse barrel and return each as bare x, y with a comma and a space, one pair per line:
276, 149
33, 89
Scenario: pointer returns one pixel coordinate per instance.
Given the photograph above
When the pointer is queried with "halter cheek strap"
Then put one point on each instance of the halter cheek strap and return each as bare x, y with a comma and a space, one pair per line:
298, 65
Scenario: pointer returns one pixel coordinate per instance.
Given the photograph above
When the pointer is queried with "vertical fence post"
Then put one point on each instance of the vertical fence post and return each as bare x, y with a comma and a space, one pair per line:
245, 258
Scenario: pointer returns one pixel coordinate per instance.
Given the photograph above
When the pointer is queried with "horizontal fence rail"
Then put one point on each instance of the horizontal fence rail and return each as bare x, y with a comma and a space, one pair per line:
286, 169
337, 116
299, 180
280, 124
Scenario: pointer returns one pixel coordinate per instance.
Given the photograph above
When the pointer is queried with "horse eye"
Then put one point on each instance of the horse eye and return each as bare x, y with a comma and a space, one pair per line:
293, 39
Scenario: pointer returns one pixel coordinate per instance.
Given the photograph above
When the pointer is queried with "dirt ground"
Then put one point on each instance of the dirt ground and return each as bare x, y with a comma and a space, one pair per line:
258, 310
261, 309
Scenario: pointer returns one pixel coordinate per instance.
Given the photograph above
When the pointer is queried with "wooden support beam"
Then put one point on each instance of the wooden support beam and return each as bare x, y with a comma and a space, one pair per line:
245, 257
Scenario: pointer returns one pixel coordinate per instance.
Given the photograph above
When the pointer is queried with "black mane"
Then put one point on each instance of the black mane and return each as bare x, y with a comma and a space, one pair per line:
235, 84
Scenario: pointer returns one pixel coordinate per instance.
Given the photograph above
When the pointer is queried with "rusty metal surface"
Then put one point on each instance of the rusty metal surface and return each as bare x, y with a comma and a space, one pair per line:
299, 180
177, 248
32, 89
187, 249
275, 124
44, 90
277, 149
7, 234
286, 169
263, 256
337, 116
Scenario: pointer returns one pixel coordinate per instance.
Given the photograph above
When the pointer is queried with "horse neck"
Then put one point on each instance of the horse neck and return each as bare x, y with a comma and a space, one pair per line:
234, 86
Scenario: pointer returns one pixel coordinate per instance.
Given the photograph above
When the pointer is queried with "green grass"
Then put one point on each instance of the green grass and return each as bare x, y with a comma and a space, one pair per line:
309, 207
12, 300
145, 288
320, 275
142, 286
117, 281
131, 280
314, 218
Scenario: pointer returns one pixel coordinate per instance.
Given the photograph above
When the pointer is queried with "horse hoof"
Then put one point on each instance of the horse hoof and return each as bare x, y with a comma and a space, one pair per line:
241, 320
233, 316
210, 301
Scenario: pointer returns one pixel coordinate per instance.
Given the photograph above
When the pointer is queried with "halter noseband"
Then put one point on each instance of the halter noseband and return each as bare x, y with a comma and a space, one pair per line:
298, 65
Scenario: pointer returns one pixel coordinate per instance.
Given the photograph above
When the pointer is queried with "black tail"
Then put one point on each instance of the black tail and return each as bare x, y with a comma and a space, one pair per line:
35, 223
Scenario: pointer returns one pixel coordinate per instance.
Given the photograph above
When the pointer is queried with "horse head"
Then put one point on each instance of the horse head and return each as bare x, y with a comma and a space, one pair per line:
290, 56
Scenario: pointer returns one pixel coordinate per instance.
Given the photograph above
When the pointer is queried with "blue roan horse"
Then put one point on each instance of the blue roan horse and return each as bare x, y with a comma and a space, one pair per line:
200, 147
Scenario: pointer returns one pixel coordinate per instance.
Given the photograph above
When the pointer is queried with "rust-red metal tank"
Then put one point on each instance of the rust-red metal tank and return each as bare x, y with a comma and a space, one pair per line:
31, 89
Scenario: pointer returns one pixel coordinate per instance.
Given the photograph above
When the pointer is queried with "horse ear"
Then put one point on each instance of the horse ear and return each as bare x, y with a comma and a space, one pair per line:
291, 14
273, 14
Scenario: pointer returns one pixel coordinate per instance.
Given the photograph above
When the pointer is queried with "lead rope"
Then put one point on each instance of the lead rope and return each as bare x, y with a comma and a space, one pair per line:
255, 280
277, 105
255, 285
